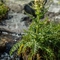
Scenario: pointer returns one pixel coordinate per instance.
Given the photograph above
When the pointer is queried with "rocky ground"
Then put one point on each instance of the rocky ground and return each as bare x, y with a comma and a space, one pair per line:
11, 31
53, 10
12, 28
14, 23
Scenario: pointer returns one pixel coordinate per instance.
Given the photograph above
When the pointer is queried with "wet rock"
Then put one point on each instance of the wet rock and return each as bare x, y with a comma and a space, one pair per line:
54, 6
15, 23
22, 2
2, 49
3, 41
56, 1
56, 19
16, 5
6, 56
53, 9
7, 41
30, 10
27, 21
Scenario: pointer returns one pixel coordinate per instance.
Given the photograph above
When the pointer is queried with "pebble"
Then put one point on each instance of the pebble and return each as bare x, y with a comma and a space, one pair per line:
6, 56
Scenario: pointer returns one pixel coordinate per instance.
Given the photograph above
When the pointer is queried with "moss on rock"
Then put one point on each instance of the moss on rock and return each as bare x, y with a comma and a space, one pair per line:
3, 10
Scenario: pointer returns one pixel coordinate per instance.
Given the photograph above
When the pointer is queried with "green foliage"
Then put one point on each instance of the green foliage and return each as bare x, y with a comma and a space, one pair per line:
46, 37
43, 37
42, 9
3, 10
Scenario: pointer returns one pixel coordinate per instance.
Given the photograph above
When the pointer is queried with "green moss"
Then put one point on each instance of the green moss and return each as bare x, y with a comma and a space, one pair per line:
3, 10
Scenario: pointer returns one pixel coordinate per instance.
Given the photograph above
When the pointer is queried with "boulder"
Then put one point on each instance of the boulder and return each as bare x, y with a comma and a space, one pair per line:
3, 41
53, 9
16, 5
8, 40
16, 22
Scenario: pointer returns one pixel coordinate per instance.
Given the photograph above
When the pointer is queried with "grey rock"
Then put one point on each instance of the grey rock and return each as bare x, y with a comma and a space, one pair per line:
53, 6
16, 5
53, 9
57, 19
15, 24
56, 1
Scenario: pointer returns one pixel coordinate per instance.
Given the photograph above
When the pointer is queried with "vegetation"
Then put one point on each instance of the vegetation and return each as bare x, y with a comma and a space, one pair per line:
30, 9
3, 10
41, 41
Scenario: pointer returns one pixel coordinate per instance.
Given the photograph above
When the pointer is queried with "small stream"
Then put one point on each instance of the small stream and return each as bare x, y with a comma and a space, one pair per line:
11, 31
11, 39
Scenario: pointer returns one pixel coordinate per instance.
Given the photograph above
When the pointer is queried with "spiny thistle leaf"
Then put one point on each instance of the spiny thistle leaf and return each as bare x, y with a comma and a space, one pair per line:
15, 47
20, 49
42, 35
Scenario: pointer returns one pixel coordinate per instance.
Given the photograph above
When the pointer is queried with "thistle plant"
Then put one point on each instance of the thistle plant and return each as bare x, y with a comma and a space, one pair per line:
41, 41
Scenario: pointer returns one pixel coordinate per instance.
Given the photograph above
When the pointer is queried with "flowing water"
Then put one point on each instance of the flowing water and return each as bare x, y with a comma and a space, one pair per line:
11, 31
